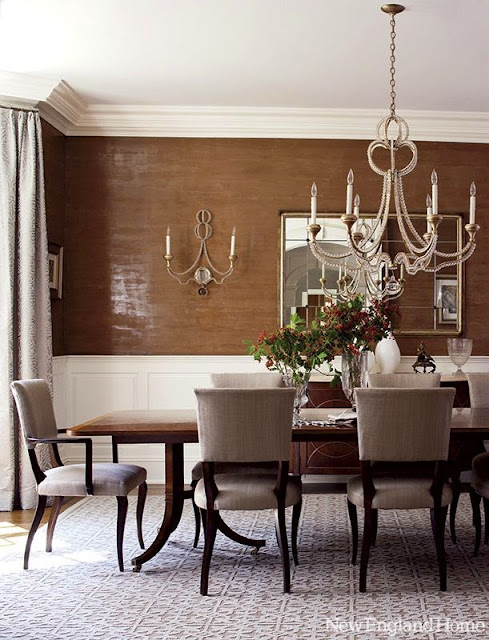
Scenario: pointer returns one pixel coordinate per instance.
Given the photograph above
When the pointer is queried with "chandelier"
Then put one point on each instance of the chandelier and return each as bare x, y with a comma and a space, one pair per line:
365, 264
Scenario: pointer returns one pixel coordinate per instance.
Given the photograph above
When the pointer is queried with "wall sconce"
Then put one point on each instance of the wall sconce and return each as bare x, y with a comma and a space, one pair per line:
203, 275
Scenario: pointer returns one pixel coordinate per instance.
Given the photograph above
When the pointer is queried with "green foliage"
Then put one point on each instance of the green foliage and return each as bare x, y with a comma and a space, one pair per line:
297, 349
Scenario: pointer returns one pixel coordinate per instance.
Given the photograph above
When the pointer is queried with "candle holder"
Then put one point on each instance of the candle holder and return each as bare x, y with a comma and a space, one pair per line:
201, 273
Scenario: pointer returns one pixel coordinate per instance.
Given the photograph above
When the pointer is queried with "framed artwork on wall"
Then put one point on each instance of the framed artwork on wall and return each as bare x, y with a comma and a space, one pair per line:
446, 299
55, 259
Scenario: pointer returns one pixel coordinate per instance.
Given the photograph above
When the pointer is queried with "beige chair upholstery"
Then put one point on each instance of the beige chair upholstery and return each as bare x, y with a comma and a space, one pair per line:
261, 380
246, 426
407, 433
478, 389
36, 415
404, 380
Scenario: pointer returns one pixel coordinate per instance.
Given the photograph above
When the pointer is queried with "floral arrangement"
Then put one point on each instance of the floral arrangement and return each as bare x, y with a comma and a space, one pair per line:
294, 350
353, 327
344, 327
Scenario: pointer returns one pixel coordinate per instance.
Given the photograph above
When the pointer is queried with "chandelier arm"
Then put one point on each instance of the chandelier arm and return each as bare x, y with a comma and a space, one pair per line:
321, 254
419, 263
407, 217
462, 257
456, 254
400, 221
380, 217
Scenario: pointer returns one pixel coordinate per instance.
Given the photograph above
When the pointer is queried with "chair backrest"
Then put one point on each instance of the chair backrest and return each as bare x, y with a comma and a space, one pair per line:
478, 389
404, 380
245, 425
262, 380
404, 424
35, 409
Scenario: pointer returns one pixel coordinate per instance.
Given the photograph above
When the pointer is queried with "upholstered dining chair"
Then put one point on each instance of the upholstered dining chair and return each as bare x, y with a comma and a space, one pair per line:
400, 429
479, 483
36, 415
420, 381
246, 426
258, 380
404, 380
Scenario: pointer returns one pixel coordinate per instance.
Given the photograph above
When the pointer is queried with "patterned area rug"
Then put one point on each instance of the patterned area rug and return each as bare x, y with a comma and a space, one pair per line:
77, 592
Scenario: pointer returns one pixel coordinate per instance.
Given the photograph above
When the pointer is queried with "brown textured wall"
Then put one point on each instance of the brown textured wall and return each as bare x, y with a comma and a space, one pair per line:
123, 192
54, 178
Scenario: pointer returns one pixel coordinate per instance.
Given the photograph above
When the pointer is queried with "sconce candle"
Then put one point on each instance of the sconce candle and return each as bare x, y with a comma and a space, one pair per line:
233, 242
168, 241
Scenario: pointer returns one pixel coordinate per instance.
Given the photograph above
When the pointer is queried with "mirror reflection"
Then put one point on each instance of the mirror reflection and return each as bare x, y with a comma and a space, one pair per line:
430, 304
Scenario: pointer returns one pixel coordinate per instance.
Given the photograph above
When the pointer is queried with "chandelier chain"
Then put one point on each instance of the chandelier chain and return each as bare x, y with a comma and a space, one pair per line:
392, 67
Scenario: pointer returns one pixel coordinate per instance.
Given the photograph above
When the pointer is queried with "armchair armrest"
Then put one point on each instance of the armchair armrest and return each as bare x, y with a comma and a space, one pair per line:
74, 440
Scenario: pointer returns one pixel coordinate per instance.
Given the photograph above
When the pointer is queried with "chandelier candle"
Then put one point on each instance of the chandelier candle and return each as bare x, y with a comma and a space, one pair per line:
349, 192
365, 265
472, 203
314, 193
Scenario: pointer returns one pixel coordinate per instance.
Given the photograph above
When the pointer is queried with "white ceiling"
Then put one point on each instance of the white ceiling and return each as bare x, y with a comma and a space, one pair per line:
307, 54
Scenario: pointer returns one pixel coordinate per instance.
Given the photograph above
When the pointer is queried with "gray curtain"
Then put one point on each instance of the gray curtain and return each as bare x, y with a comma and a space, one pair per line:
25, 310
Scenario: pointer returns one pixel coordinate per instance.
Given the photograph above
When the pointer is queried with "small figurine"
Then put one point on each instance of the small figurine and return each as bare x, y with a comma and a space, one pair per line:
424, 361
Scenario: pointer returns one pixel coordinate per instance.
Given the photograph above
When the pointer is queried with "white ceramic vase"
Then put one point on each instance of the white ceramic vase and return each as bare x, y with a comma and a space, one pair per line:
388, 355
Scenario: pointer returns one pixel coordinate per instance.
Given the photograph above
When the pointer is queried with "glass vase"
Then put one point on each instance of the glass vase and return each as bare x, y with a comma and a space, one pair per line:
301, 398
459, 350
354, 374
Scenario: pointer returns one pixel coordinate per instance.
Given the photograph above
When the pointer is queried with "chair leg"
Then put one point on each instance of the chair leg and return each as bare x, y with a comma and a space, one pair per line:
485, 502
352, 513
281, 530
475, 500
41, 505
296, 514
122, 503
375, 522
55, 511
366, 544
193, 484
456, 489
211, 520
439, 516
142, 493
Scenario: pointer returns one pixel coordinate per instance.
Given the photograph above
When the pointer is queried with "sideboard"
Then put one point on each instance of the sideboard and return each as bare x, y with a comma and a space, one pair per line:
338, 458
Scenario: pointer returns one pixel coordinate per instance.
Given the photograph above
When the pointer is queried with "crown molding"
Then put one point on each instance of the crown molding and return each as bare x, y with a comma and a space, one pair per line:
62, 107
241, 122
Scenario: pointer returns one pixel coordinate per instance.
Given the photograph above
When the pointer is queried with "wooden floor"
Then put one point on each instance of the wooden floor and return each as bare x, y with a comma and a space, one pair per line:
15, 525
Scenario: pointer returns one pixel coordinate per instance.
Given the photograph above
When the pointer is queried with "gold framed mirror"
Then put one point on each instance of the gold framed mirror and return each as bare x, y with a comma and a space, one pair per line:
431, 304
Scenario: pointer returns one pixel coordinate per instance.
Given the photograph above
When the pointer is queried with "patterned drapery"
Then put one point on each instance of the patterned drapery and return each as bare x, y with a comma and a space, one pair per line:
25, 311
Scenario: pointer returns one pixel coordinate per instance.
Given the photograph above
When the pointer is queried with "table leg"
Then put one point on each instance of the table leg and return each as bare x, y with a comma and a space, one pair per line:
174, 497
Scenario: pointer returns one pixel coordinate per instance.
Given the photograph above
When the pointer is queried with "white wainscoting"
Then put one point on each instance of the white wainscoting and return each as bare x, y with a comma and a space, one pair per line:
87, 386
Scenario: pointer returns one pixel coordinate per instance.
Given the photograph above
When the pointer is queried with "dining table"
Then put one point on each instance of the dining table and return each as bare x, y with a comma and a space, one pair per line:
175, 428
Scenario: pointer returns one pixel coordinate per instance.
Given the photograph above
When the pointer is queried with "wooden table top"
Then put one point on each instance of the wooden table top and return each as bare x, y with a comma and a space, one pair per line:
181, 425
